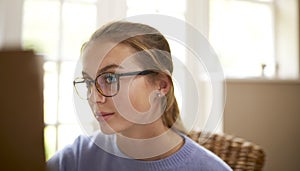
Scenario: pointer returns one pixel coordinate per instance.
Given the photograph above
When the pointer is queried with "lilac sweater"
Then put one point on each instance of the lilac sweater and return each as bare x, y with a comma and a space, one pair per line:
84, 155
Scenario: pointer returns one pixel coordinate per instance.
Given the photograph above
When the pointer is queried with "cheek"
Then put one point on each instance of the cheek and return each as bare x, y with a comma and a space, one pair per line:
139, 95
133, 104
133, 98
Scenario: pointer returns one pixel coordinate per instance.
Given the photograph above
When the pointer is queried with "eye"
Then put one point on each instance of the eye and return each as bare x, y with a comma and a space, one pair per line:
110, 78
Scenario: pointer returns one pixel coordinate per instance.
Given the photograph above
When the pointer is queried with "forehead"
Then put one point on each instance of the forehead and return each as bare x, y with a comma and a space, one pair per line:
97, 55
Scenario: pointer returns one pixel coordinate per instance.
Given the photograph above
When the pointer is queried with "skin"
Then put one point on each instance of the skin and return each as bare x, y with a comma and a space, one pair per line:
135, 98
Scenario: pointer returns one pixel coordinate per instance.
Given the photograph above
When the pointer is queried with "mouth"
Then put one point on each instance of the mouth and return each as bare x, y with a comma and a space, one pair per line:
103, 116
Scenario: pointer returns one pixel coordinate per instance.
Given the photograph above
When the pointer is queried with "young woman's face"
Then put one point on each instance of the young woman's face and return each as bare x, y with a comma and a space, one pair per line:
133, 102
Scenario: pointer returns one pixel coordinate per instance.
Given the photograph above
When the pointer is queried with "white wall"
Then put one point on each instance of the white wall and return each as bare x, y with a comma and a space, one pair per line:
287, 38
110, 10
11, 12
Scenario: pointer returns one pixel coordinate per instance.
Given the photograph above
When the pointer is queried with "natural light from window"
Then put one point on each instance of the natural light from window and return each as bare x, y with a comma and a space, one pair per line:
242, 33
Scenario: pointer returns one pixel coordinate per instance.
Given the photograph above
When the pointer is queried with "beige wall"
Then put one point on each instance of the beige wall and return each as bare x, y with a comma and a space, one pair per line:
267, 112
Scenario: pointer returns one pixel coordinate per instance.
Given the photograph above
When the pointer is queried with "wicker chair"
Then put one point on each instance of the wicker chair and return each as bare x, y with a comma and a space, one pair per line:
238, 153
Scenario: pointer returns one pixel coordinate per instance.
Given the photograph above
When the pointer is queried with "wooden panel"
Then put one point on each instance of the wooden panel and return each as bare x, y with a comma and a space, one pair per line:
21, 100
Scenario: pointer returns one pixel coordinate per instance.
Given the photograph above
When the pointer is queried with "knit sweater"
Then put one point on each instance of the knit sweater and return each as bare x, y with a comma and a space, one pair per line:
85, 155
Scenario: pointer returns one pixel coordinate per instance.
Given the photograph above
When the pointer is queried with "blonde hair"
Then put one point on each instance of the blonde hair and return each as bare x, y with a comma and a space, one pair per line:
144, 38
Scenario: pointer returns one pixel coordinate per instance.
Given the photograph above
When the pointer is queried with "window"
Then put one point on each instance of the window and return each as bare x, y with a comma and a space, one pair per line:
57, 29
242, 33
250, 34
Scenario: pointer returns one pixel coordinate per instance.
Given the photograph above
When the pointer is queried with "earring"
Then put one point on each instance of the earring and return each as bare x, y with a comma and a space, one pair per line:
159, 94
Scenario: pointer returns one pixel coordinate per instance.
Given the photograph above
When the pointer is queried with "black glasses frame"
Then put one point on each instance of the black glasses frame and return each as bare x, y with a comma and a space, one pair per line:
118, 75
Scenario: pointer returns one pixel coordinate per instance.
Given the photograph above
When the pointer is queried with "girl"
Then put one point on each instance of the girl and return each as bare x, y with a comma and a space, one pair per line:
127, 81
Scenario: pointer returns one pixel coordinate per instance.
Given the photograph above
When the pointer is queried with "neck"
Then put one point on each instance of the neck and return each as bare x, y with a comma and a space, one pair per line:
145, 131
149, 142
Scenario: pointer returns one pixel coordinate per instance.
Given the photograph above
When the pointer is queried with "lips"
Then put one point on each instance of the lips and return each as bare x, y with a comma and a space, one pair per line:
100, 116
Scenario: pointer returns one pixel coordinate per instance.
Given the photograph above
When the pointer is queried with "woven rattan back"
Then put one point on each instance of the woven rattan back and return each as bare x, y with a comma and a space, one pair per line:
239, 154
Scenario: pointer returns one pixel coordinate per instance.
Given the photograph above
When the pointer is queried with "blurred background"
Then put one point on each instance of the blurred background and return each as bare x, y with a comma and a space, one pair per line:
257, 42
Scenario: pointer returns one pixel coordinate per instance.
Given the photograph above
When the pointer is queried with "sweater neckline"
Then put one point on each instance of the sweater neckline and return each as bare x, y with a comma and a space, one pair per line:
175, 160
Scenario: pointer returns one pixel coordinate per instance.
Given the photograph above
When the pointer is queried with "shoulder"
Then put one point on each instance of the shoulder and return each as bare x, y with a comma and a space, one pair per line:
65, 159
82, 152
203, 159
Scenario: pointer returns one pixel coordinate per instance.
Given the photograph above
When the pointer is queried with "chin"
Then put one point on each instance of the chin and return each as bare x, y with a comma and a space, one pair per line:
106, 129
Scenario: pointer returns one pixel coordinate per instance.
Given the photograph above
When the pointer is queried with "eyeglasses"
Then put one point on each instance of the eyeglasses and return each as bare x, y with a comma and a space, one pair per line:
107, 83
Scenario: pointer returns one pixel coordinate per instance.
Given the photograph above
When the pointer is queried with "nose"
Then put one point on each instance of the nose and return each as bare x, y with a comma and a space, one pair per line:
96, 97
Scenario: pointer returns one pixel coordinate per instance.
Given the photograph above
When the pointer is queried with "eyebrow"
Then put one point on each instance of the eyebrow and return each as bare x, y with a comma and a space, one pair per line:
111, 66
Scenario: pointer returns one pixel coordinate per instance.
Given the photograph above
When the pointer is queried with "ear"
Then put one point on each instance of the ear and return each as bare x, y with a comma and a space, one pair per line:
164, 84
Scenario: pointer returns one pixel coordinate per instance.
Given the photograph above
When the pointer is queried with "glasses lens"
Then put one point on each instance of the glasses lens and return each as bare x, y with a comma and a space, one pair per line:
82, 88
107, 84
